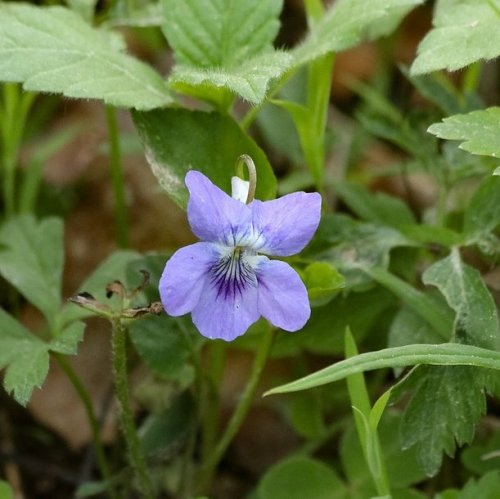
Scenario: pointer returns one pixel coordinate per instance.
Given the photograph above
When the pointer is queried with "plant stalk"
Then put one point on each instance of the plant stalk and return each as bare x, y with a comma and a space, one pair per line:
239, 413
136, 457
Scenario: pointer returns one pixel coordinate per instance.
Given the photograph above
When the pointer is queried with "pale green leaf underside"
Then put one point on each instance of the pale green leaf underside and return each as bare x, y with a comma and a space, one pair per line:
465, 31
476, 321
250, 79
479, 131
347, 23
220, 33
445, 408
224, 44
450, 354
54, 50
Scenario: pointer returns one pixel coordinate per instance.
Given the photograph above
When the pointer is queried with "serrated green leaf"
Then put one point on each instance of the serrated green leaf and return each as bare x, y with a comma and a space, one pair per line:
224, 44
478, 130
67, 342
447, 403
177, 140
160, 344
482, 214
447, 354
465, 31
476, 321
52, 49
31, 259
250, 79
24, 356
218, 33
348, 22
300, 477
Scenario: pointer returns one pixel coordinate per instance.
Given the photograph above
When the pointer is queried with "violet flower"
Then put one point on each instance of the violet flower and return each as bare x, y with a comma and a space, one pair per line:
226, 281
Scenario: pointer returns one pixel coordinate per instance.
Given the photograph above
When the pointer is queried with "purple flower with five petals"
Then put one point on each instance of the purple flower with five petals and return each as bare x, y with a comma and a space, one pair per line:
225, 280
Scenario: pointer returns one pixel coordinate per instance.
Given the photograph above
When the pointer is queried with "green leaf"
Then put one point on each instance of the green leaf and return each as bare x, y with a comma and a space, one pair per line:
324, 332
249, 80
438, 316
447, 403
465, 31
409, 327
483, 457
162, 433
447, 354
31, 259
67, 342
482, 214
306, 415
177, 140
348, 22
360, 247
378, 208
476, 321
323, 282
478, 130
52, 49
5, 490
300, 477
214, 33
160, 344
24, 356
224, 44
486, 487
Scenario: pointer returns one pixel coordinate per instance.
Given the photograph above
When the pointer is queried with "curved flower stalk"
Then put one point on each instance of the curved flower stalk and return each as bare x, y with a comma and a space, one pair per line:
226, 281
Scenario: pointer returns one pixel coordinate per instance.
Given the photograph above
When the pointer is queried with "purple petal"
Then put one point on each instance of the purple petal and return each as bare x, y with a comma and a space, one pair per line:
286, 224
225, 315
184, 277
283, 299
213, 215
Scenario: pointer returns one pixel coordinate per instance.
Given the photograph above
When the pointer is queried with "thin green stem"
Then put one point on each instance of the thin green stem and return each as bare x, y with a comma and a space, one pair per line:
92, 419
15, 108
239, 413
117, 179
218, 352
136, 457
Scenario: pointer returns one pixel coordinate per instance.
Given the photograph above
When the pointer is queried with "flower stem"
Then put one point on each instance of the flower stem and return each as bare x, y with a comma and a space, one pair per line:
117, 180
239, 413
94, 423
136, 457
252, 175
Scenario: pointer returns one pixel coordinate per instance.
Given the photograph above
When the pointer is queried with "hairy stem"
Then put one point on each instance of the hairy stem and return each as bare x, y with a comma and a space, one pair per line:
136, 457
